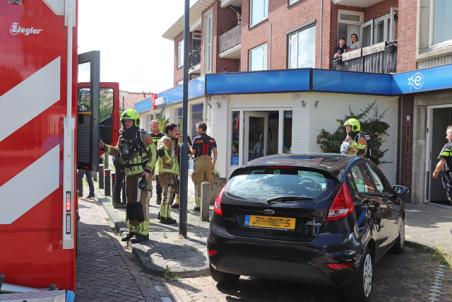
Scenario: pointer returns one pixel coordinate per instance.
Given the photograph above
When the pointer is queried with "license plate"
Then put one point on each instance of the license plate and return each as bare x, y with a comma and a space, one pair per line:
267, 222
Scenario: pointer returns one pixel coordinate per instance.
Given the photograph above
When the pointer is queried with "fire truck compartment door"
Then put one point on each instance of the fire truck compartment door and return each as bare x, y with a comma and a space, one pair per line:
88, 100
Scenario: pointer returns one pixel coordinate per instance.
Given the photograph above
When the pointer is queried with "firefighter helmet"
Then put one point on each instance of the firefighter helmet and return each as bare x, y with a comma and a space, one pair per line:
131, 114
354, 123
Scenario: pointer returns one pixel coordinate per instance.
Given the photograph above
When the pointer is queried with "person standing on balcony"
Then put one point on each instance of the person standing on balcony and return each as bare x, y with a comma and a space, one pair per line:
355, 43
340, 49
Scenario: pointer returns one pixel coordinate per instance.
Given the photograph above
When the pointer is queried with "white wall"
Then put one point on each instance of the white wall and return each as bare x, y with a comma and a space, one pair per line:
312, 112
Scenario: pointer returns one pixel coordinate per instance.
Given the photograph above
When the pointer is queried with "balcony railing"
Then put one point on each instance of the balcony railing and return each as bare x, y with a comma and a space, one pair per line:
230, 39
378, 58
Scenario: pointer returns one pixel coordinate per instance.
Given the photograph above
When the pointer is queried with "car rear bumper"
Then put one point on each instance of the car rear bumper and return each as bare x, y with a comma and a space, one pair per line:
297, 261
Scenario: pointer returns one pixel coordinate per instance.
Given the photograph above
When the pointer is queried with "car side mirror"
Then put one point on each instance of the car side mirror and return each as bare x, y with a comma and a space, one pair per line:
400, 190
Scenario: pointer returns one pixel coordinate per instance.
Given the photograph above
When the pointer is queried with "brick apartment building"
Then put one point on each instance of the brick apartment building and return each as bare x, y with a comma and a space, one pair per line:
396, 36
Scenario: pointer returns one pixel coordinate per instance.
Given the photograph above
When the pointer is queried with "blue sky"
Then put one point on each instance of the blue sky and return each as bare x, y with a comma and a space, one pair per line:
129, 35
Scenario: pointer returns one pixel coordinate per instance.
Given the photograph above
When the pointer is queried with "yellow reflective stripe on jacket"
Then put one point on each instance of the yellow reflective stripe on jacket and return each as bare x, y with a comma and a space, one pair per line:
445, 154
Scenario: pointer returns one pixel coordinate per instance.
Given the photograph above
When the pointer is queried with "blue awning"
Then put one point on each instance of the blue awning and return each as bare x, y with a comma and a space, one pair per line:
315, 80
144, 105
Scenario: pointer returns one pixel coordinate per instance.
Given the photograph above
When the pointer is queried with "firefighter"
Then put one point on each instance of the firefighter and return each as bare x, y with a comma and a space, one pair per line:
202, 149
355, 142
167, 169
138, 155
156, 135
444, 165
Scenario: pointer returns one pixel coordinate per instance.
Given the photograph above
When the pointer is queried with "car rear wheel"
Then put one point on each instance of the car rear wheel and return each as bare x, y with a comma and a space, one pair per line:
221, 277
399, 245
360, 288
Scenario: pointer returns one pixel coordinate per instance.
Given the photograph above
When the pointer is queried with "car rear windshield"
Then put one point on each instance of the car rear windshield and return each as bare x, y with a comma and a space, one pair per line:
269, 182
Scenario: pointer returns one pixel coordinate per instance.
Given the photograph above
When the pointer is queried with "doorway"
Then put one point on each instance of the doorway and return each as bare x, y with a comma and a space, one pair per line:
261, 134
438, 120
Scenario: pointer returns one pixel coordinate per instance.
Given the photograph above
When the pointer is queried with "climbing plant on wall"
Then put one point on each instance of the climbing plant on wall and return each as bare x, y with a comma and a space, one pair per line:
371, 125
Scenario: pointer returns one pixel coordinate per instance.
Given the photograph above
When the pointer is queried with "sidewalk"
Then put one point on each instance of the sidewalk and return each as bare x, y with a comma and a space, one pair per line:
167, 254
430, 225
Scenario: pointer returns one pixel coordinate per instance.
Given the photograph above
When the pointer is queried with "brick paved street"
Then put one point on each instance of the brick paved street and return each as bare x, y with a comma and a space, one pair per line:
105, 271
108, 272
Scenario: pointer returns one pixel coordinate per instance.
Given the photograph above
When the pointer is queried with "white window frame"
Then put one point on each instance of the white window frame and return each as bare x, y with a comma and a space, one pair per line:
264, 59
265, 13
386, 19
371, 24
180, 53
208, 42
431, 17
350, 12
297, 32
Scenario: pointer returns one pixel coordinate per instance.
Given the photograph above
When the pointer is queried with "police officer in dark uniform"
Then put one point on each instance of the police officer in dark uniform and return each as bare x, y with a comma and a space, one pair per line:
444, 166
156, 135
202, 148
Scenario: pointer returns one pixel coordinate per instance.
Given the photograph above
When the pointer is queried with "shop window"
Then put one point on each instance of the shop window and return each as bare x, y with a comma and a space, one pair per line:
179, 117
259, 11
196, 116
302, 48
235, 139
441, 21
287, 140
258, 58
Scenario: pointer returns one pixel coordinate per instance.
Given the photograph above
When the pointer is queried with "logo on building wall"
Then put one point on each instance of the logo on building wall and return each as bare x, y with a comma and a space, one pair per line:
416, 81
17, 29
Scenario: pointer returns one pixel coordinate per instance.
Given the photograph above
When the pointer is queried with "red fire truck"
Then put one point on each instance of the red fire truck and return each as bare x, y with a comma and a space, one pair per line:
49, 128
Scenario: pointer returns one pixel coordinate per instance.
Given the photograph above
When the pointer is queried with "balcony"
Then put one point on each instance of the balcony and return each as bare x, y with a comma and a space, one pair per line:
230, 43
195, 61
378, 58
356, 3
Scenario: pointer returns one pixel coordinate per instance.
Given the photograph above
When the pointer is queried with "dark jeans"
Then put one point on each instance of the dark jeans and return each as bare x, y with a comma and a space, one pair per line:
89, 179
119, 187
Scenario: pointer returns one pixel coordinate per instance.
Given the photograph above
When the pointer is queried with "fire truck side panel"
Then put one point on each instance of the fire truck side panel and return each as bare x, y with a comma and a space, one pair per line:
33, 72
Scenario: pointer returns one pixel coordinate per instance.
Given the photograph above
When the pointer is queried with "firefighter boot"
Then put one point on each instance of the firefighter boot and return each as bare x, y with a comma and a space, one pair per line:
137, 238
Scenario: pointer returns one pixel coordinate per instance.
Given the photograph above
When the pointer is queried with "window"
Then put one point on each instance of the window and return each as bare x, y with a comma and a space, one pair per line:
259, 11
268, 183
196, 116
235, 139
360, 182
293, 2
208, 21
302, 48
349, 23
180, 54
258, 58
441, 21
287, 140
382, 29
379, 180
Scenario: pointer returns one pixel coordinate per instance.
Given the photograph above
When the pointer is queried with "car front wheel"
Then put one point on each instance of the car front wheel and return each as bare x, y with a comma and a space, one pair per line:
360, 288
399, 245
223, 278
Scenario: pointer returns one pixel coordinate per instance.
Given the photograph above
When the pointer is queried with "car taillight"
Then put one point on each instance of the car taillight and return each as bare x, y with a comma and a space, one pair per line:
212, 253
217, 207
342, 205
339, 266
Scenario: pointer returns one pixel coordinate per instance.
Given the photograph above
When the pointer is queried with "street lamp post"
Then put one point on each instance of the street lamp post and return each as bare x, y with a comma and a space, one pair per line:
183, 185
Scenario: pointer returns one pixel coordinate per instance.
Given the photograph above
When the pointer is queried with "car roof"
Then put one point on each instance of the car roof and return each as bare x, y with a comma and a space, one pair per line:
332, 163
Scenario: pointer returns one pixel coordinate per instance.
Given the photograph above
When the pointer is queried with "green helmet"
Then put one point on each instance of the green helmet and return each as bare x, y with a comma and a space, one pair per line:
131, 114
354, 123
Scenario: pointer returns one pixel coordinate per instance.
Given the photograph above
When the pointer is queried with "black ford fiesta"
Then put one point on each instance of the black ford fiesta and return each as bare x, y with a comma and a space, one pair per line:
320, 218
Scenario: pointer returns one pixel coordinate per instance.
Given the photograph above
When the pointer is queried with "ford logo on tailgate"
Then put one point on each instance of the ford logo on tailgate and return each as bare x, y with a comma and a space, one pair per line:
269, 212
